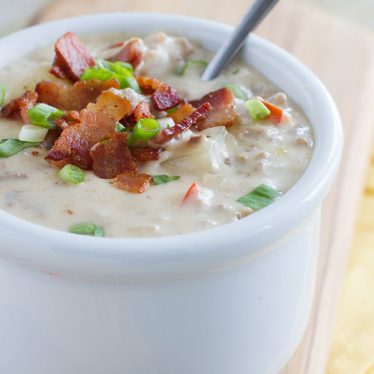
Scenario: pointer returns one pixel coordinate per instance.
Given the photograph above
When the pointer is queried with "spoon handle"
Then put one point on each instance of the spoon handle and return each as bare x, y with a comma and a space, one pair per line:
231, 46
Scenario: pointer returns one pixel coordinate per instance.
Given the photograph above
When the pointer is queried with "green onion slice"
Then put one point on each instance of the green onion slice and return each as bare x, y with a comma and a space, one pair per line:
2, 94
183, 68
162, 179
72, 174
105, 70
120, 128
31, 133
9, 147
237, 91
44, 115
172, 110
260, 197
87, 228
257, 109
145, 129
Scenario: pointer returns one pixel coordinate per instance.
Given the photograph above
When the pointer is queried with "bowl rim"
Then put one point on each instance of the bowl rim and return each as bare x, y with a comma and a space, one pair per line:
224, 242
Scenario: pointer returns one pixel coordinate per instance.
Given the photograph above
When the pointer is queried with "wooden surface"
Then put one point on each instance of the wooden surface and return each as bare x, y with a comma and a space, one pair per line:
343, 57
352, 349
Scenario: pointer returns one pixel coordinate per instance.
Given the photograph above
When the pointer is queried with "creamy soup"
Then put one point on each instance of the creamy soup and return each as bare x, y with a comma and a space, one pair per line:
208, 167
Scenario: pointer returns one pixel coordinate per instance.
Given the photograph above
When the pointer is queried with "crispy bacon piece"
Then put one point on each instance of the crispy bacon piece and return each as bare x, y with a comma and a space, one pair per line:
113, 103
141, 111
72, 97
145, 154
223, 113
18, 108
182, 112
72, 58
70, 118
164, 97
52, 136
96, 123
132, 52
112, 157
149, 85
195, 117
132, 182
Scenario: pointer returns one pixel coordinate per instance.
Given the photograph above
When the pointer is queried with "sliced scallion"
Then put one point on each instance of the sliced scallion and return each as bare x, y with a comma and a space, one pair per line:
105, 70
181, 69
2, 94
31, 133
120, 128
44, 115
145, 129
72, 174
257, 109
238, 92
172, 110
87, 228
162, 179
260, 197
9, 147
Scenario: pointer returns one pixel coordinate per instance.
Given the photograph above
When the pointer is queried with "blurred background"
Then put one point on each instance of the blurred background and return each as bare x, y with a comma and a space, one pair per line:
335, 38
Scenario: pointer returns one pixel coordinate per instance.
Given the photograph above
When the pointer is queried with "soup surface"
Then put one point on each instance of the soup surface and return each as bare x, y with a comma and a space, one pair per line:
239, 143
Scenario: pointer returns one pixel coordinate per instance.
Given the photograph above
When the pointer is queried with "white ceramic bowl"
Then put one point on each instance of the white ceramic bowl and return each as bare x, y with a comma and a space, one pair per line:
230, 300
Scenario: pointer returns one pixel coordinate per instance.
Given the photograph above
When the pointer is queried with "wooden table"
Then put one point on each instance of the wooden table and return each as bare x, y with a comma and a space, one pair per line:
343, 57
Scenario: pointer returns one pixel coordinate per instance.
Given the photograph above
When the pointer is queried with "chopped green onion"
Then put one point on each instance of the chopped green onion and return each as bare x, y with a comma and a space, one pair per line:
72, 174
87, 228
120, 128
2, 94
257, 109
172, 110
260, 197
99, 232
31, 133
182, 68
162, 179
116, 66
9, 147
105, 70
44, 115
237, 91
145, 129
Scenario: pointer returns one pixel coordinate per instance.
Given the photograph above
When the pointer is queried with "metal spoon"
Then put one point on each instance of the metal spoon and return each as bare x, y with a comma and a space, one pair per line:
232, 45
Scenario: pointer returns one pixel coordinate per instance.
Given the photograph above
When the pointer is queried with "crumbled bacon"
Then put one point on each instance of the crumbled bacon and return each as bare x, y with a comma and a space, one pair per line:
72, 58
132, 182
164, 97
72, 97
112, 157
68, 119
223, 112
195, 117
49, 140
145, 154
96, 123
149, 85
182, 112
141, 111
113, 103
132, 52
18, 108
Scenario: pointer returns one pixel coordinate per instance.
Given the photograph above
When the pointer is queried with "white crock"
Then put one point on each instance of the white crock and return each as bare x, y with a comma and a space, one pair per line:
230, 300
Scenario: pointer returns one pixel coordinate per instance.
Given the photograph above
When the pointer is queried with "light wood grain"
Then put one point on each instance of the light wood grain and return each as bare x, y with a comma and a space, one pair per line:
343, 57
352, 350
